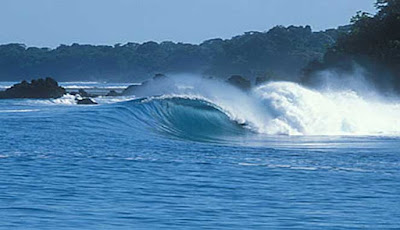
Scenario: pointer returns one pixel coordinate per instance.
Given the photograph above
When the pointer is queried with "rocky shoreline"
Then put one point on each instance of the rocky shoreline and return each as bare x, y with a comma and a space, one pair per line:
40, 88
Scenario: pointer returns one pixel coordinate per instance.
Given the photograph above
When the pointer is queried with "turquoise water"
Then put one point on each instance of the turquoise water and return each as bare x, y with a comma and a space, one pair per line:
184, 163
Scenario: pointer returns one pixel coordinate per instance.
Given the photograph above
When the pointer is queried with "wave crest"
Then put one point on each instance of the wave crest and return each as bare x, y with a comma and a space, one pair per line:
183, 117
275, 108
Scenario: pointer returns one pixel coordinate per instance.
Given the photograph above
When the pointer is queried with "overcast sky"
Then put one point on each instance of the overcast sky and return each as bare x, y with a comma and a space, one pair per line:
54, 22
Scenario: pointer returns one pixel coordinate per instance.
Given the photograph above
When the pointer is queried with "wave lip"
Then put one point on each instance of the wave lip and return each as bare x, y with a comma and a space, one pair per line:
183, 117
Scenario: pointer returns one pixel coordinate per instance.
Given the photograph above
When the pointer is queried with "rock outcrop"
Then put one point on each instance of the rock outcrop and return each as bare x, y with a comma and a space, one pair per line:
261, 80
83, 93
240, 82
113, 93
85, 101
158, 83
40, 88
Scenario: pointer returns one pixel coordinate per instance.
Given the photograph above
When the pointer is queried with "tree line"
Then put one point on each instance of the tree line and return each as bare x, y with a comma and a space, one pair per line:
278, 53
372, 42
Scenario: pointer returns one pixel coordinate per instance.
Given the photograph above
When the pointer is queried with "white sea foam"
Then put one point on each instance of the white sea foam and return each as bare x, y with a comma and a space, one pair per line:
110, 100
81, 82
64, 100
298, 110
96, 87
18, 110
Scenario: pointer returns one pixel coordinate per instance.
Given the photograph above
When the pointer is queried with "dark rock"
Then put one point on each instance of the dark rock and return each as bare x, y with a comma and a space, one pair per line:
40, 88
86, 101
261, 80
132, 89
83, 93
144, 83
240, 82
113, 93
144, 88
159, 76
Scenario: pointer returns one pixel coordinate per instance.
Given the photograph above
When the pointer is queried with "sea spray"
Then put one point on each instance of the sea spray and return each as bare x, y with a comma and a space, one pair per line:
298, 110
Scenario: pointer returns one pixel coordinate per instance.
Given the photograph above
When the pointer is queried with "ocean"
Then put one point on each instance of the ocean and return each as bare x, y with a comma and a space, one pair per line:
201, 155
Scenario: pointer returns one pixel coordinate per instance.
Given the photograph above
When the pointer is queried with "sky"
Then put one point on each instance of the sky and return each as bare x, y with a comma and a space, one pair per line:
49, 23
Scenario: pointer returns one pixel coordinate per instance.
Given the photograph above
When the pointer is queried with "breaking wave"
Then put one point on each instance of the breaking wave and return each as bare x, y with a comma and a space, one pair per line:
275, 108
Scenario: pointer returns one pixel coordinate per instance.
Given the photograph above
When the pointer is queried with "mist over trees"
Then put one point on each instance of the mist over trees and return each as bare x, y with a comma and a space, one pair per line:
278, 53
373, 42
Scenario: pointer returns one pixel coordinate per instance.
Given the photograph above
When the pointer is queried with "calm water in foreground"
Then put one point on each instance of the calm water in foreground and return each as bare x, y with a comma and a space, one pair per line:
168, 164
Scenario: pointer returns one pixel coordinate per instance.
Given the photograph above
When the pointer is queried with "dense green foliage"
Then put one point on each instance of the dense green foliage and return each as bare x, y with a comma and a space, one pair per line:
281, 52
373, 42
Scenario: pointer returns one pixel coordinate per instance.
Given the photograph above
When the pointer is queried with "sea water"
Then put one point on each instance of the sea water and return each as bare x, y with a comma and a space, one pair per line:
202, 155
